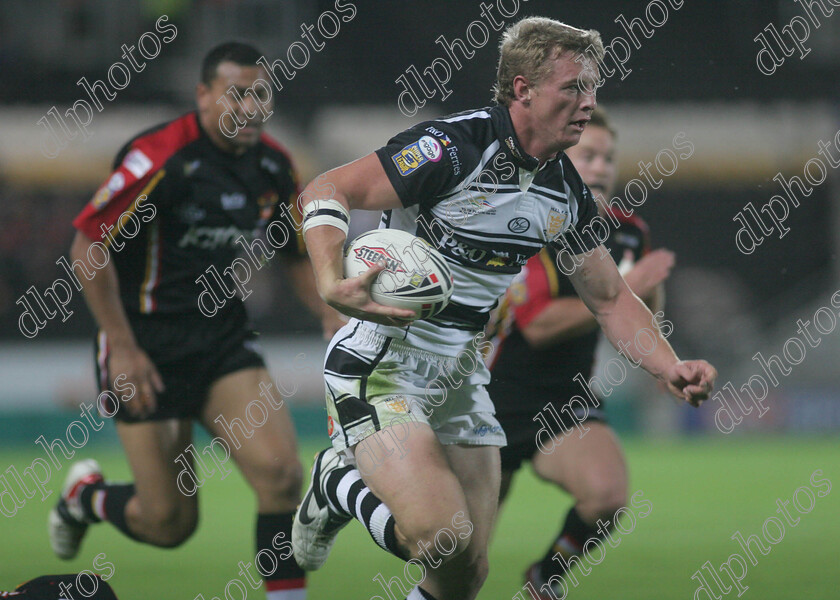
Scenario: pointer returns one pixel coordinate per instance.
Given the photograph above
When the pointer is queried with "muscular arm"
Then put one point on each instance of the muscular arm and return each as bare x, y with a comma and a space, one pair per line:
125, 357
361, 184
102, 294
568, 317
621, 315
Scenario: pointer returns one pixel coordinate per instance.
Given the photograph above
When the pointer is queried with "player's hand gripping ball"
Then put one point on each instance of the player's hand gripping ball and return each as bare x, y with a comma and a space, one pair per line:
416, 276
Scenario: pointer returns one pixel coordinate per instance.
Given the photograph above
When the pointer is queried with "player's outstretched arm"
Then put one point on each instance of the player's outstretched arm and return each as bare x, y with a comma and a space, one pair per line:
363, 185
125, 357
621, 315
567, 317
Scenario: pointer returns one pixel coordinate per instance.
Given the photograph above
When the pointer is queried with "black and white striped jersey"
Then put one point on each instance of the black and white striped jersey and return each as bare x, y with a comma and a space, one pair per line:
470, 190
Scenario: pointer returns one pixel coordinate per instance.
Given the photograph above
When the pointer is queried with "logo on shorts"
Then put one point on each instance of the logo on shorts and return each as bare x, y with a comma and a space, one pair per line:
330, 425
398, 404
372, 256
482, 430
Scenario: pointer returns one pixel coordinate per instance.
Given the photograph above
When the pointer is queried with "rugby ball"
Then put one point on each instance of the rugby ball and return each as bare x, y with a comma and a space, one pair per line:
416, 276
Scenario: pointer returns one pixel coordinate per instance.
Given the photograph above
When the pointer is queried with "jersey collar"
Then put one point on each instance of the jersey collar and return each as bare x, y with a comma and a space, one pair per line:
508, 138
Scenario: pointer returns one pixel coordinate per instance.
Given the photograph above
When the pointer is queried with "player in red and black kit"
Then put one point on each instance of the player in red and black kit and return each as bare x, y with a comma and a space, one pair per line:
544, 336
174, 343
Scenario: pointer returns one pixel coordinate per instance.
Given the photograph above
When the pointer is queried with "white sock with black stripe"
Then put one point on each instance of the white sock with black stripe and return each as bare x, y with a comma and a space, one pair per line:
417, 594
348, 494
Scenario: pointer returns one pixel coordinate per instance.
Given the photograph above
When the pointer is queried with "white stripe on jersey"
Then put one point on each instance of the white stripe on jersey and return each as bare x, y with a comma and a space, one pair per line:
486, 156
501, 237
480, 114
551, 193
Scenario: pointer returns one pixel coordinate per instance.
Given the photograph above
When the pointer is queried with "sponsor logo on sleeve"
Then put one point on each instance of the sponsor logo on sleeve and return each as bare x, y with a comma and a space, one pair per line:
451, 149
430, 148
113, 185
416, 154
137, 163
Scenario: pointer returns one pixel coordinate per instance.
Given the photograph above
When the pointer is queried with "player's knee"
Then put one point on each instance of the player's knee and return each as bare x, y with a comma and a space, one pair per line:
604, 495
279, 481
438, 542
170, 526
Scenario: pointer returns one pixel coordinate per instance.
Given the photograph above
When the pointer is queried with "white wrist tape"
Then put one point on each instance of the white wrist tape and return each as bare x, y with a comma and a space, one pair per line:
326, 212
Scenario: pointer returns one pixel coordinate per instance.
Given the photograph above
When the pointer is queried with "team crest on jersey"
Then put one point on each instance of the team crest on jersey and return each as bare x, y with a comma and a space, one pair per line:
266, 202
554, 222
373, 256
413, 156
114, 185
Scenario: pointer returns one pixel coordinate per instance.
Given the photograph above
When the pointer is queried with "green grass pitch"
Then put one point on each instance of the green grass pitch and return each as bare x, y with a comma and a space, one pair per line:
702, 490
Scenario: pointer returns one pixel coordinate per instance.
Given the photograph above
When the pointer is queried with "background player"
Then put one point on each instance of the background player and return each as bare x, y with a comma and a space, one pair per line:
196, 191
544, 327
378, 370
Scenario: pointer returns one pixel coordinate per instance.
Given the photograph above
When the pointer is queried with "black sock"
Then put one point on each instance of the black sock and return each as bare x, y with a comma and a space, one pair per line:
568, 543
86, 500
344, 487
106, 501
274, 539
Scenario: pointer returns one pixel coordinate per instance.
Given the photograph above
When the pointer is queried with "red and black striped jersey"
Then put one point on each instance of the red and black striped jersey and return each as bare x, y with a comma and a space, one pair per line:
539, 282
175, 205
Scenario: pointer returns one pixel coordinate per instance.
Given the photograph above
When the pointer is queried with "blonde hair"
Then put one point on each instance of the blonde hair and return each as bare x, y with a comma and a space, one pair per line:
528, 47
600, 118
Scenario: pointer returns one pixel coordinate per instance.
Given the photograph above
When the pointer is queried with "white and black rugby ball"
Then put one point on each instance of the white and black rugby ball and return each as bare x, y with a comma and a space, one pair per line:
416, 276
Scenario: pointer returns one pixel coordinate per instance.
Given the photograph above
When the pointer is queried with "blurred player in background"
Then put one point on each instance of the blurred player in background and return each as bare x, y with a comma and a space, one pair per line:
196, 191
543, 337
379, 366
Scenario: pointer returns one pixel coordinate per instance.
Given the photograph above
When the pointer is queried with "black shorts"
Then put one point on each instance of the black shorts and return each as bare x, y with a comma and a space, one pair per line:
190, 353
517, 407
